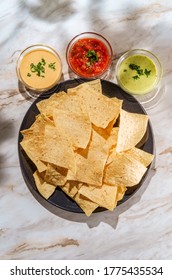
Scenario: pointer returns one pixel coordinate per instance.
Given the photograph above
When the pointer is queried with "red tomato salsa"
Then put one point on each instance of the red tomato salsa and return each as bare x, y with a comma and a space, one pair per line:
89, 57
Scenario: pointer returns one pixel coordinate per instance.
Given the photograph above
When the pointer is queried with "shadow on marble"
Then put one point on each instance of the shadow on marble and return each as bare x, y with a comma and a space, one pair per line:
71, 74
7, 131
51, 11
7, 128
131, 23
22, 90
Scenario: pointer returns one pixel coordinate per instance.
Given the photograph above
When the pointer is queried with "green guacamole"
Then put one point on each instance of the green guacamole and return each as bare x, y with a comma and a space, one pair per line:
137, 74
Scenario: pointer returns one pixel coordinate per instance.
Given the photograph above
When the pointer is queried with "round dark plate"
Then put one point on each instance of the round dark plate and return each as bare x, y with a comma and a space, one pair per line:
59, 198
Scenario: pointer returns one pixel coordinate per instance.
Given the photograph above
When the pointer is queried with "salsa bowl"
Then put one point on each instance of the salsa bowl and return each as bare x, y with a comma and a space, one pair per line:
89, 55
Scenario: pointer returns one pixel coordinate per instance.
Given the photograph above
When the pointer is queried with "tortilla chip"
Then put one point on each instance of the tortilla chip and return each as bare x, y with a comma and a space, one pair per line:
120, 193
27, 133
140, 155
32, 142
33, 150
85, 204
102, 110
112, 142
45, 105
90, 162
111, 156
104, 196
55, 175
37, 128
57, 149
131, 130
123, 171
76, 127
72, 103
71, 188
112, 139
117, 99
95, 85
45, 189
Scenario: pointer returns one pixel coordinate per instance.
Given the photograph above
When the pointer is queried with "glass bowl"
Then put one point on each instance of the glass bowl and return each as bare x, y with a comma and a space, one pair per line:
39, 68
89, 55
139, 73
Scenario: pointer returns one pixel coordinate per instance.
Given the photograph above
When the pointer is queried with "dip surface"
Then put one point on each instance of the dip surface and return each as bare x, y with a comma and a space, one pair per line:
40, 69
89, 57
138, 74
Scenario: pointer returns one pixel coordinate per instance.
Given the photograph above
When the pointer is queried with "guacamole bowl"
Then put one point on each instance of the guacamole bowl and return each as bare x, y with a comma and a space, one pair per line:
138, 72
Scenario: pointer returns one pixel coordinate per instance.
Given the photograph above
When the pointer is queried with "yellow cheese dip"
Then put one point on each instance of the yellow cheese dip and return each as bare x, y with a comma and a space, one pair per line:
40, 69
137, 74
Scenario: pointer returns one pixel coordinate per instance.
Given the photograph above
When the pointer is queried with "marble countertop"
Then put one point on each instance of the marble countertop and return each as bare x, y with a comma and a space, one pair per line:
141, 228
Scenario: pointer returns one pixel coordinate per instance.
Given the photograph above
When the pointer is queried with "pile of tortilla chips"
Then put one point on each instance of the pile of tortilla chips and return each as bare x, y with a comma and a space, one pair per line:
85, 143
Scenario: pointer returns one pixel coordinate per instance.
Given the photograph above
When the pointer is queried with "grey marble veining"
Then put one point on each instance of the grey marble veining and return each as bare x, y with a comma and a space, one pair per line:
138, 229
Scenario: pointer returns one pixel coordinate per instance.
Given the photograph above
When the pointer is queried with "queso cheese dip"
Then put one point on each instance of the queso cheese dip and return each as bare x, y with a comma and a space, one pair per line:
40, 69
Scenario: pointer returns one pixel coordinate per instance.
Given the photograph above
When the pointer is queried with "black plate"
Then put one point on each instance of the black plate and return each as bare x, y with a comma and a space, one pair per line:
59, 198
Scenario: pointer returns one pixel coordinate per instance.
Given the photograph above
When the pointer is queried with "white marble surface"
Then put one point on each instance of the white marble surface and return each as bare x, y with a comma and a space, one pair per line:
142, 227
